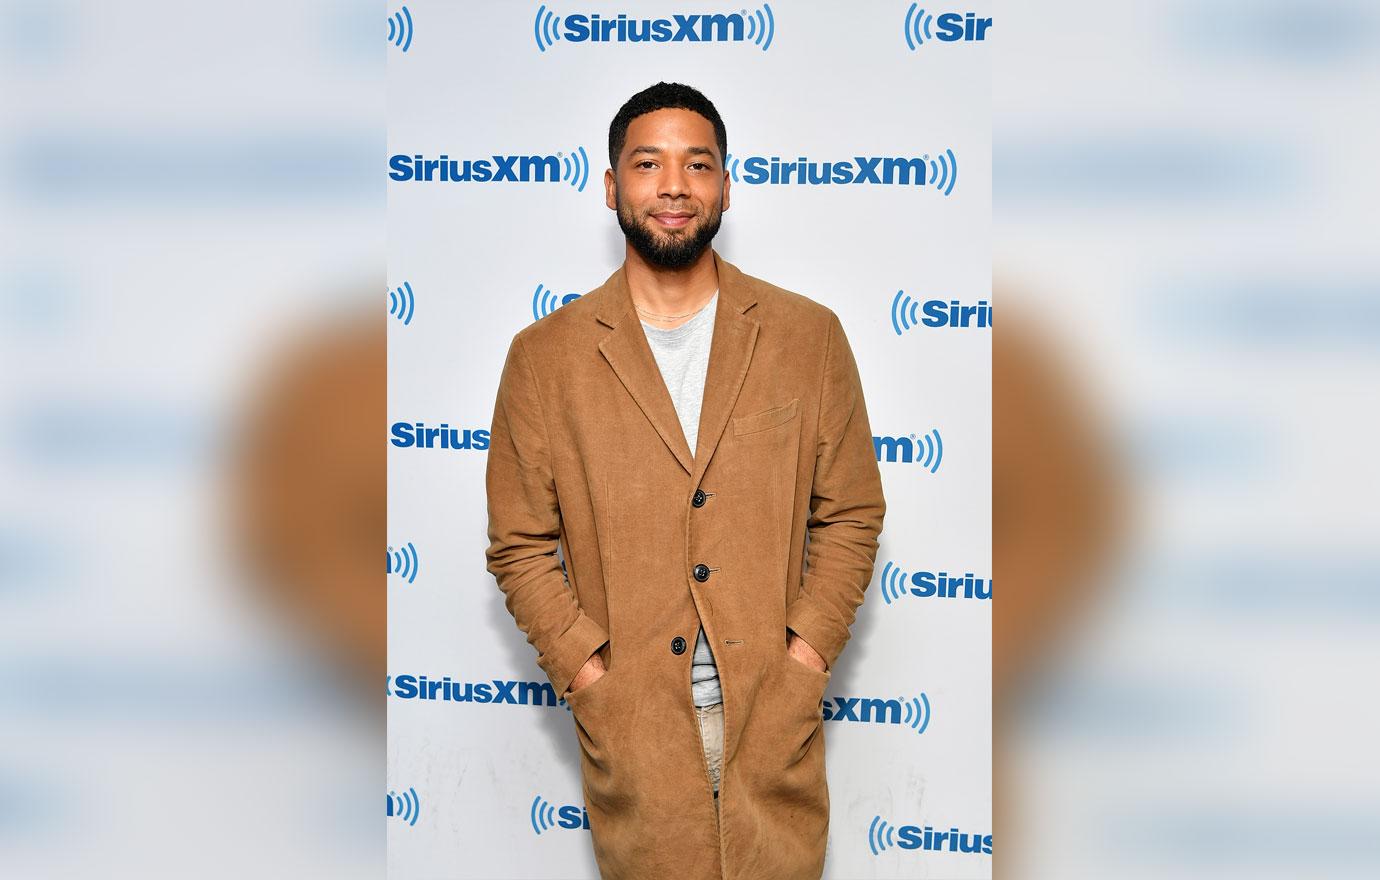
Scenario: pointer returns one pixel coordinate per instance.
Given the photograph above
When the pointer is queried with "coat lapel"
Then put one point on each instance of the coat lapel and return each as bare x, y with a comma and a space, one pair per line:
628, 353
730, 352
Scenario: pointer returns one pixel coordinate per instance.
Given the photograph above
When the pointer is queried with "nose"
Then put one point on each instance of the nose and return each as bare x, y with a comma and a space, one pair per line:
673, 183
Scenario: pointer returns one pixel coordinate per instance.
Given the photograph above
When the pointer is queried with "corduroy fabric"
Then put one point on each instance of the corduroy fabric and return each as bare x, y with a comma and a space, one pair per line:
586, 455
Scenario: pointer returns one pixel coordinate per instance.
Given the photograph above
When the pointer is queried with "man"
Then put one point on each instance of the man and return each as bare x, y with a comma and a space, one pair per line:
678, 434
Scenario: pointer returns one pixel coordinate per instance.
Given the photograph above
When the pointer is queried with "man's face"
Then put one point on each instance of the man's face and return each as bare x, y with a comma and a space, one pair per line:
670, 189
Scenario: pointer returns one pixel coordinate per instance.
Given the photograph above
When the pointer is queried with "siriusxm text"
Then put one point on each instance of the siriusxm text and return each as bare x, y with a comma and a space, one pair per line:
915, 837
938, 313
572, 817
581, 28
492, 692
954, 27
879, 170
897, 449
864, 710
942, 585
492, 169
418, 435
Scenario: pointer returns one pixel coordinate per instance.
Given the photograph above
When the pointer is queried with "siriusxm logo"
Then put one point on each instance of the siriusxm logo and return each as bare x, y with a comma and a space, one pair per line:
906, 313
912, 712
882, 836
946, 27
546, 817
756, 28
416, 435
927, 451
545, 301
896, 582
569, 168
403, 562
940, 172
406, 806
402, 304
495, 692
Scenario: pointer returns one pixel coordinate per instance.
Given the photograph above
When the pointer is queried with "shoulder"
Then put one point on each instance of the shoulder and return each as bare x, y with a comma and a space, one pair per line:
564, 327
788, 309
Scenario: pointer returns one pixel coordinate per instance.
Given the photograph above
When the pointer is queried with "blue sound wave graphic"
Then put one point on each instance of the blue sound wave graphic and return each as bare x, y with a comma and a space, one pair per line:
894, 582
880, 835
761, 26
400, 29
904, 312
406, 806
403, 562
402, 304
934, 451
547, 28
544, 302
943, 171
917, 712
732, 164
543, 815
575, 168
917, 27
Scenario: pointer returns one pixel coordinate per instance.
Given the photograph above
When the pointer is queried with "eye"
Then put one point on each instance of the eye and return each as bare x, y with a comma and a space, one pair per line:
643, 162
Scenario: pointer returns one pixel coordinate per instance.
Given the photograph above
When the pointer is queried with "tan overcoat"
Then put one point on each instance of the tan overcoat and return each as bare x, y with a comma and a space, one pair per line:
586, 452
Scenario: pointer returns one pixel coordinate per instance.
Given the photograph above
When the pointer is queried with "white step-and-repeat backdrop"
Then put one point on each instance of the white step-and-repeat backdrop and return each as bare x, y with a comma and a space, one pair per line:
860, 150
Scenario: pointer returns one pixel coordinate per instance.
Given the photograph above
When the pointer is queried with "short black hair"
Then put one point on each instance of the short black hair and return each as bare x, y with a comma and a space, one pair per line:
664, 96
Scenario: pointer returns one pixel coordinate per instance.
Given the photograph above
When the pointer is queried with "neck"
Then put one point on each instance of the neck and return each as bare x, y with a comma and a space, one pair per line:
670, 291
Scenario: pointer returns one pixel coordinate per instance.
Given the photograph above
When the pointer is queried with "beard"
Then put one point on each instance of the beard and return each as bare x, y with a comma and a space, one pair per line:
670, 248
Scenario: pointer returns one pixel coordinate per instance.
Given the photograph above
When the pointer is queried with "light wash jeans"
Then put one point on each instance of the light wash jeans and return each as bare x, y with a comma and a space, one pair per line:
711, 720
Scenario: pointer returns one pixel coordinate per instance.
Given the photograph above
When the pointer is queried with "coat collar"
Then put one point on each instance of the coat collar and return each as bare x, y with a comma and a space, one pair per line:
630, 356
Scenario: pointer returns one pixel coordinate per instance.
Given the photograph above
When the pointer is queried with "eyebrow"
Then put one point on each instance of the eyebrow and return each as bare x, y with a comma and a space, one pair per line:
656, 151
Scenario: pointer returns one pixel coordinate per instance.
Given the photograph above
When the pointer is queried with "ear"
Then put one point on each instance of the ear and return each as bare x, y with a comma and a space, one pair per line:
610, 190
728, 182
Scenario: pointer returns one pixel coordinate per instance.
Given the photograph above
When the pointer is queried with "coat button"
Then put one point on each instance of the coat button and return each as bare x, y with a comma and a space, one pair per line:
699, 498
701, 572
678, 645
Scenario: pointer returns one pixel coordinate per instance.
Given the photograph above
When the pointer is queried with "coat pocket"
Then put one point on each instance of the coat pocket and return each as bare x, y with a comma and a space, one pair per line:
801, 707
807, 684
770, 418
593, 710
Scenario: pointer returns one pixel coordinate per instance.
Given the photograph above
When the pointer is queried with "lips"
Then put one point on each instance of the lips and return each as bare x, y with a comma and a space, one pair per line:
672, 219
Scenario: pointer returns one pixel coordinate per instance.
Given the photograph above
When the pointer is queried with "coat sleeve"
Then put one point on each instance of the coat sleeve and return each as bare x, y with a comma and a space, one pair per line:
846, 508
525, 526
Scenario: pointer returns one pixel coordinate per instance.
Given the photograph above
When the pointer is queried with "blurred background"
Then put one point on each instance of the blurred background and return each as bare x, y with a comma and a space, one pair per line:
1186, 374
191, 439
192, 307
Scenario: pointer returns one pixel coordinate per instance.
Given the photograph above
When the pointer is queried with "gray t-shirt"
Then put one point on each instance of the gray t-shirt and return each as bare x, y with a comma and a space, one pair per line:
682, 353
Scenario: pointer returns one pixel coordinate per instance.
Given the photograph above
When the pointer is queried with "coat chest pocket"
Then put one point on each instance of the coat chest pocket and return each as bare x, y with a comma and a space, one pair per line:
777, 415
